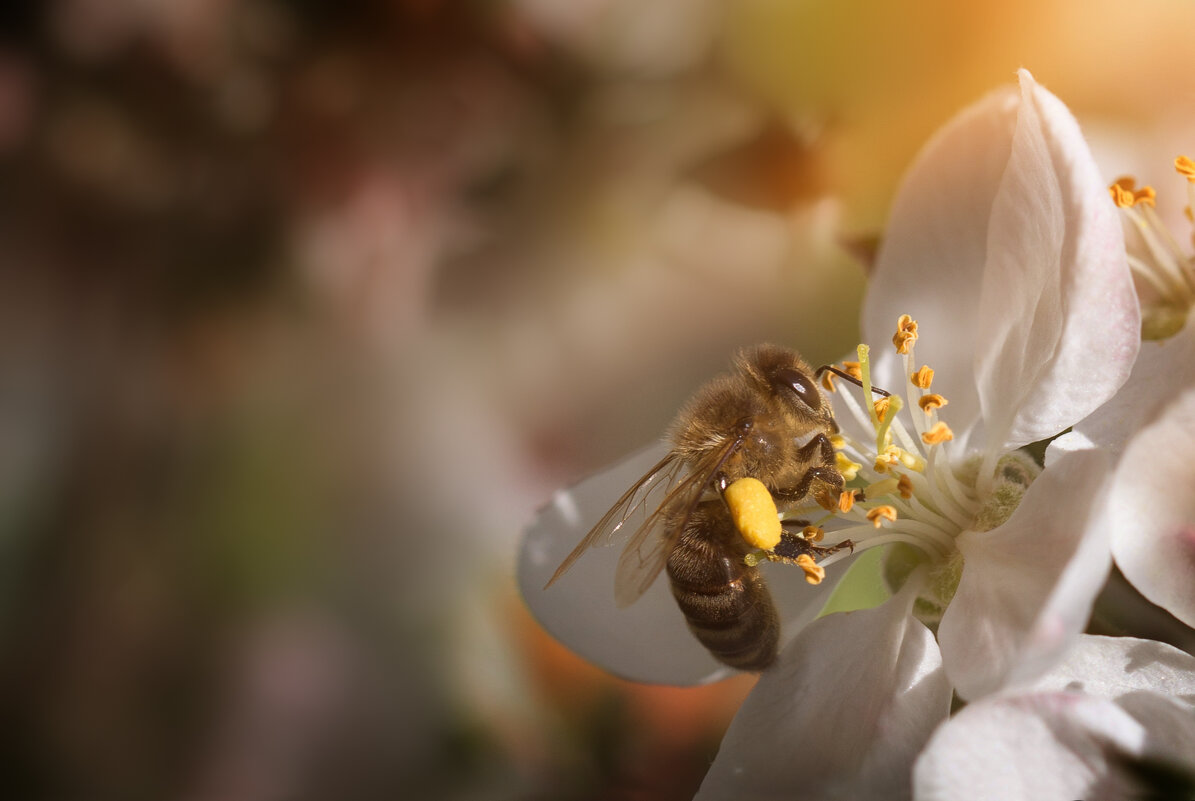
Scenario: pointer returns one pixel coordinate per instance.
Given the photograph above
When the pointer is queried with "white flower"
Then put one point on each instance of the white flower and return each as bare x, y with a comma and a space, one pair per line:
1113, 720
880, 729
1150, 513
1005, 246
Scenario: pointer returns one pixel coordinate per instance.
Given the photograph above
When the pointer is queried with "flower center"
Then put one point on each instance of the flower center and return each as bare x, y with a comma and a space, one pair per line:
909, 484
1165, 275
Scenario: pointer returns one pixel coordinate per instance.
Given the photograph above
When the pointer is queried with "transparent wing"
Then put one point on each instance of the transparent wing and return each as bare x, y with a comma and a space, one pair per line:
647, 551
630, 512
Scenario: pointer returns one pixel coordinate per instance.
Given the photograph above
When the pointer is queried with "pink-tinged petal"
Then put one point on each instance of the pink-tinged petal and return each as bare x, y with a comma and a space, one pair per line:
1033, 746
648, 641
1028, 585
1152, 509
1110, 667
842, 714
930, 263
1058, 316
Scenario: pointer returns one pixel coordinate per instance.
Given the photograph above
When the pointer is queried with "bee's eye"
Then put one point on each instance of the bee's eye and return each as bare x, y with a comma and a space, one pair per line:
802, 385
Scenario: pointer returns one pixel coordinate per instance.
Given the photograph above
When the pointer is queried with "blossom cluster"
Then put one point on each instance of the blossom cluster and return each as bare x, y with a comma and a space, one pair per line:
1033, 443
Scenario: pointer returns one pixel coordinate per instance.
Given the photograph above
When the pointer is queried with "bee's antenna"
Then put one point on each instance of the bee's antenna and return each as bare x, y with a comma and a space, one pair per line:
829, 368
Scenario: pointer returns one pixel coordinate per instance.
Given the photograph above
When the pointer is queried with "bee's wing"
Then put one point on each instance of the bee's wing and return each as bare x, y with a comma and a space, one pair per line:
647, 551
631, 512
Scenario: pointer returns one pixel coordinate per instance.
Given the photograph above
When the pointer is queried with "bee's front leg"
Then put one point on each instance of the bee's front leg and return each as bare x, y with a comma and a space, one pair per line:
829, 482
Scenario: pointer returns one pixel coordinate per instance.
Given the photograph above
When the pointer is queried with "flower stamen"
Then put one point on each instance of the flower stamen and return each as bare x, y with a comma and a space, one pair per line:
881, 513
938, 434
906, 334
814, 573
929, 403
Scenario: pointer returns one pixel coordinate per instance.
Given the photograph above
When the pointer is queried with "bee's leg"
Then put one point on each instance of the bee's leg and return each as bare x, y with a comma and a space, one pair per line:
793, 544
829, 486
820, 453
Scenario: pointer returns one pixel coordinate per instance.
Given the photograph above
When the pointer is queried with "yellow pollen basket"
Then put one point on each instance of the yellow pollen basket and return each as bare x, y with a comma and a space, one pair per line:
754, 512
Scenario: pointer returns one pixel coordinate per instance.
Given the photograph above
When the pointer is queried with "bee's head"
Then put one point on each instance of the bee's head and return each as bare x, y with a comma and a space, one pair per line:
782, 374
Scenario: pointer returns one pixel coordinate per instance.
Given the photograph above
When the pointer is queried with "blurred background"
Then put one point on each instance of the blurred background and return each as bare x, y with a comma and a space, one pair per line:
306, 306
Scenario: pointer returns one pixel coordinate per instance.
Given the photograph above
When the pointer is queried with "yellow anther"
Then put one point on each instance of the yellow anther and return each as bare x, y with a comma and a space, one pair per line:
881, 513
1125, 193
754, 512
939, 433
931, 401
905, 487
894, 455
1185, 167
838, 441
813, 533
846, 467
906, 334
923, 377
1190, 214
853, 369
1120, 196
881, 407
846, 501
814, 573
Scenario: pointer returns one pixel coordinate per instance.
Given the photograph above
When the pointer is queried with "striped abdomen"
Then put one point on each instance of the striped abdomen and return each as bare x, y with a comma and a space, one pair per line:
726, 603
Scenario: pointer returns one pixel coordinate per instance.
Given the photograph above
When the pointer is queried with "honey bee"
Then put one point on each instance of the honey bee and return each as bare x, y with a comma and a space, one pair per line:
766, 420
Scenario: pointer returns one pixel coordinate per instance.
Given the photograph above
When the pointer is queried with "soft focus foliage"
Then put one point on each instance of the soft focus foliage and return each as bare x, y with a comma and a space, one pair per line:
306, 307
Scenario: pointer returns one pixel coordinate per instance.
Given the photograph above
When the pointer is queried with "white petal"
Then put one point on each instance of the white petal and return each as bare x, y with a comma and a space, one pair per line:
1109, 667
841, 715
648, 641
1159, 375
931, 260
1058, 314
1152, 509
1039, 746
1028, 585
1170, 730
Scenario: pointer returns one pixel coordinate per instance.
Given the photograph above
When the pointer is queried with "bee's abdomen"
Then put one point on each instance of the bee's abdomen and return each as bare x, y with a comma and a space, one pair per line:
726, 603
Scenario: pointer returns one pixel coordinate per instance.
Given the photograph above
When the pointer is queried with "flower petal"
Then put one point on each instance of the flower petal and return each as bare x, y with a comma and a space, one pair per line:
1038, 746
1109, 667
1152, 510
842, 714
930, 263
1028, 585
1058, 314
648, 641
